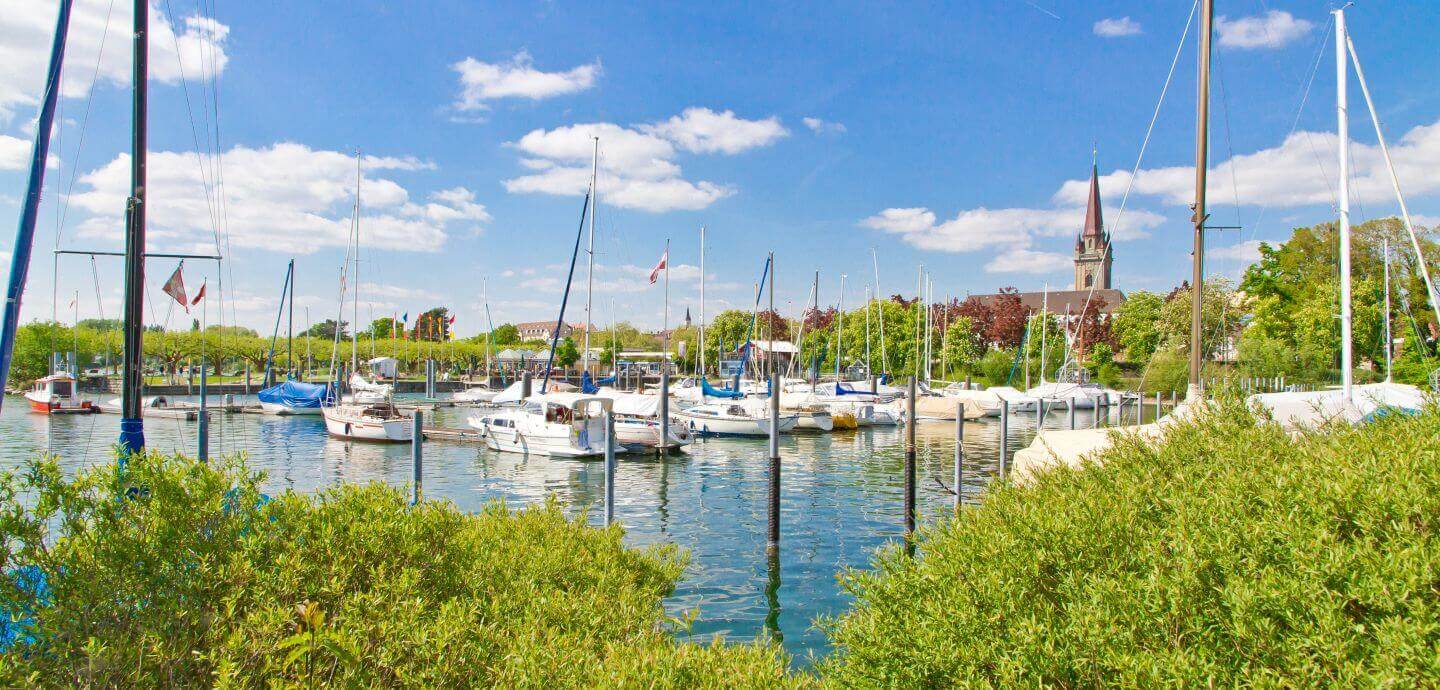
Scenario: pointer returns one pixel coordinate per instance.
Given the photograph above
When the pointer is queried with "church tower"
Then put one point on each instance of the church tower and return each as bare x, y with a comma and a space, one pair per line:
1093, 254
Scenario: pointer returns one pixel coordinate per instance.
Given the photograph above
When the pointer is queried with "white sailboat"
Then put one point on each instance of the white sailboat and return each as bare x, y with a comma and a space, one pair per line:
555, 424
732, 419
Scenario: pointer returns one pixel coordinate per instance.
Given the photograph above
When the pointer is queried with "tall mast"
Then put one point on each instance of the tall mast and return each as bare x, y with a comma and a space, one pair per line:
1202, 158
884, 359
869, 371
590, 252
702, 301
290, 327
840, 332
355, 313
132, 425
1044, 323
1389, 341
1343, 131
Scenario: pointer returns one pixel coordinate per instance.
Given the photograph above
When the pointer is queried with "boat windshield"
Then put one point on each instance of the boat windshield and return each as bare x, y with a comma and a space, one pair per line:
60, 388
558, 414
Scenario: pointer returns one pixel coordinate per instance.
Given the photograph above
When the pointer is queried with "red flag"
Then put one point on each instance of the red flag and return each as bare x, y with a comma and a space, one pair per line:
655, 272
175, 287
199, 295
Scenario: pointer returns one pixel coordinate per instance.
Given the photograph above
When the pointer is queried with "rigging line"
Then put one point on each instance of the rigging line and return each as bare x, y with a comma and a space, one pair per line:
1145, 144
190, 113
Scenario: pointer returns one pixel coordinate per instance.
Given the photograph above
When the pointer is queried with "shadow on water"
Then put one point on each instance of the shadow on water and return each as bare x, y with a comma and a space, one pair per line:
841, 498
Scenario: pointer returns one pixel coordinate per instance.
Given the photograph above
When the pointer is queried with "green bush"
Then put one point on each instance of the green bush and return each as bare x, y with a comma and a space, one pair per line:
195, 580
1230, 555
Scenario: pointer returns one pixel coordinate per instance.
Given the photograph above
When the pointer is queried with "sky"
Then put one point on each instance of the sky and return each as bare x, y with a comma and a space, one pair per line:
958, 138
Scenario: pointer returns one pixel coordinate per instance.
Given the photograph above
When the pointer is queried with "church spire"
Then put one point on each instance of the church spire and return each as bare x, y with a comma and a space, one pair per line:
1094, 222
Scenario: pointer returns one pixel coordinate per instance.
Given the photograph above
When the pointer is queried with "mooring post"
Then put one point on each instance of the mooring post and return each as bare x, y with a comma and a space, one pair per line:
1173, 398
525, 384
609, 467
247, 378
417, 452
968, 384
664, 446
910, 466
1158, 403
1070, 411
1004, 435
1039, 414
204, 429
189, 377
959, 458
772, 542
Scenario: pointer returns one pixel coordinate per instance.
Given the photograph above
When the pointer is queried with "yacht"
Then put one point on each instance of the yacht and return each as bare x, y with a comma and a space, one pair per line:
732, 419
55, 394
367, 421
558, 424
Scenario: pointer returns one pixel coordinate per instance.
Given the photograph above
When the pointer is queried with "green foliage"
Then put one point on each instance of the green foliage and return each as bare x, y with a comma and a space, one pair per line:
1136, 325
1219, 318
995, 367
962, 349
195, 581
566, 353
325, 330
506, 334
1169, 370
1230, 555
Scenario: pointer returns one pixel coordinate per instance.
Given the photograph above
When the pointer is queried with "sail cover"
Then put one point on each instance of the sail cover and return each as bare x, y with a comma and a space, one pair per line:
719, 392
294, 394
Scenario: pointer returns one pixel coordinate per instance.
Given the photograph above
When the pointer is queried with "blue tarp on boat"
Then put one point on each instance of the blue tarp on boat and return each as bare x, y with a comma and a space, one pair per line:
714, 392
295, 394
587, 384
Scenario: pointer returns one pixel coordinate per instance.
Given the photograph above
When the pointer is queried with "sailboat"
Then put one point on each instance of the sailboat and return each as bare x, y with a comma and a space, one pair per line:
1078, 392
289, 397
362, 417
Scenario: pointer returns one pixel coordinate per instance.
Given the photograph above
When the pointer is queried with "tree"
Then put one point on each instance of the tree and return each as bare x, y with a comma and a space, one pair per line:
1091, 327
1136, 325
102, 324
1008, 319
325, 330
382, 328
566, 353
961, 349
506, 334
1218, 320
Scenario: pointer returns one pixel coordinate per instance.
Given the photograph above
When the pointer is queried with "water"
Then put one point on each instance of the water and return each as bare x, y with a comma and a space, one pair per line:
841, 495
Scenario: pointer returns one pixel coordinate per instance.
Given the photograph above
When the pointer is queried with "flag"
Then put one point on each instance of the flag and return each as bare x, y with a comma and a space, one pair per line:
201, 294
655, 272
452, 320
72, 302
406, 318
175, 287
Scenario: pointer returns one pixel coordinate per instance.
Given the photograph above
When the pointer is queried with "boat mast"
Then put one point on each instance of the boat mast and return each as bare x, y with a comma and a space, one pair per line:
132, 425
590, 252
702, 301
840, 332
290, 327
1202, 157
1389, 342
884, 358
1044, 326
355, 313
868, 370
1343, 131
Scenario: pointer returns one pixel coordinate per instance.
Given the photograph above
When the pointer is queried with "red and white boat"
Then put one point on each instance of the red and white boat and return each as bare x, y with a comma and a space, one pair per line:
55, 394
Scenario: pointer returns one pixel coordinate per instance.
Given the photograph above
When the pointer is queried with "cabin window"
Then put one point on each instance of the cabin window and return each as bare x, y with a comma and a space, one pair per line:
60, 388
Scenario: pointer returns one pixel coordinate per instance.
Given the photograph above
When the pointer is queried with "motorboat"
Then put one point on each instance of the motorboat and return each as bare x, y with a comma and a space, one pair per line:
56, 394
732, 419
637, 421
557, 424
355, 421
475, 394
293, 398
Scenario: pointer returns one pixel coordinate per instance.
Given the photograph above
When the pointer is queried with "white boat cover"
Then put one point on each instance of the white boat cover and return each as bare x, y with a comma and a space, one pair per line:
1311, 409
946, 407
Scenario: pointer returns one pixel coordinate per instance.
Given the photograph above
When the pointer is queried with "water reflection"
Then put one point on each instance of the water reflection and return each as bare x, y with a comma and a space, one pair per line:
841, 497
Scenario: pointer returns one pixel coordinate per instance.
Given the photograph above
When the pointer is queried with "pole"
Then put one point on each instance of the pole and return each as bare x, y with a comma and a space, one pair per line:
910, 468
1202, 157
1004, 435
665, 327
884, 358
1070, 412
1389, 341
290, 327
132, 425
355, 313
204, 421
1342, 72
590, 265
417, 455
609, 467
664, 410
772, 543
959, 459
702, 303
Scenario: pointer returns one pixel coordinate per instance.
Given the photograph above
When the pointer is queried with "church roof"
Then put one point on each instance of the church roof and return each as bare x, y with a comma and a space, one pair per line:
1063, 301
1094, 221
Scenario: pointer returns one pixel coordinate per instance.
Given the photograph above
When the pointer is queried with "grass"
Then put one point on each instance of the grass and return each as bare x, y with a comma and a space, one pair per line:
1230, 555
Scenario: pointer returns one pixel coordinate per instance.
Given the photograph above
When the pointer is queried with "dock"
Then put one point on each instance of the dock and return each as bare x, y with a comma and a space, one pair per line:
451, 434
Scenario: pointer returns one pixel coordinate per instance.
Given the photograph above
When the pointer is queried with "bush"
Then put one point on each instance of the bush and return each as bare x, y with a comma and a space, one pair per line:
1230, 555
197, 580
996, 366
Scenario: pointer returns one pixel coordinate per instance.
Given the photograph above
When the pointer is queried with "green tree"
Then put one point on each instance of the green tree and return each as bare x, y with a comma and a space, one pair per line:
1136, 325
961, 350
566, 353
506, 334
325, 330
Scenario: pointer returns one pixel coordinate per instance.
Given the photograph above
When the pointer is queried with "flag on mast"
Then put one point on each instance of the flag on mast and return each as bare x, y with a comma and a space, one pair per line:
175, 287
201, 294
663, 265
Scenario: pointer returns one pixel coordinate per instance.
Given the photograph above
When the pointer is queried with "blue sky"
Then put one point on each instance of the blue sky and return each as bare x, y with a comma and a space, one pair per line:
942, 136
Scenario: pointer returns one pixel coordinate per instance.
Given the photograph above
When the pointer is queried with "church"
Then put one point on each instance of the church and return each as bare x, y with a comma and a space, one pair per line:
1094, 267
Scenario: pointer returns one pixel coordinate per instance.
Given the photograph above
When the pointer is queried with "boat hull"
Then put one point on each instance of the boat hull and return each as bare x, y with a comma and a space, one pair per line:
364, 428
49, 405
285, 410
735, 426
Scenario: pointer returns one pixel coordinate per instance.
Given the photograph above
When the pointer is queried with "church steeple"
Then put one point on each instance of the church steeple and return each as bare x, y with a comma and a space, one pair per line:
1093, 254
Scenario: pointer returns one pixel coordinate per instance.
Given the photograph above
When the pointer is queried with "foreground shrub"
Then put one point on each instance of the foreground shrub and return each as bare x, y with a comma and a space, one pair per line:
197, 580
1232, 554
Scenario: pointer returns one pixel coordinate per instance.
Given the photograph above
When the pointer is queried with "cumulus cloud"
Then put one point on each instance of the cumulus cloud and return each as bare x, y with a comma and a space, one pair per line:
1247, 252
820, 126
702, 130
1020, 260
14, 153
982, 228
481, 82
27, 28
1273, 29
1116, 27
1298, 172
286, 197
637, 164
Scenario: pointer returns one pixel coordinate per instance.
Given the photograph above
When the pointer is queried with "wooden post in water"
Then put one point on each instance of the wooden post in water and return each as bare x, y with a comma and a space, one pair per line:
910, 468
664, 409
247, 378
959, 459
1039, 414
1070, 411
772, 541
203, 432
1004, 434
525, 384
609, 467
1157, 406
417, 451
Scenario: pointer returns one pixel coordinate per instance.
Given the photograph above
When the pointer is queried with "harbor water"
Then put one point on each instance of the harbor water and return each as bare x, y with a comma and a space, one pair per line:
841, 497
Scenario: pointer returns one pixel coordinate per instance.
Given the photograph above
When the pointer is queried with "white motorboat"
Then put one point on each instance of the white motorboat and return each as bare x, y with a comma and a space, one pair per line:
731, 419
637, 421
365, 422
475, 394
558, 424
56, 394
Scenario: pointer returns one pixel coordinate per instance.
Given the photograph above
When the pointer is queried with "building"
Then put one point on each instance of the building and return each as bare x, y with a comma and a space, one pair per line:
1094, 257
1065, 305
543, 330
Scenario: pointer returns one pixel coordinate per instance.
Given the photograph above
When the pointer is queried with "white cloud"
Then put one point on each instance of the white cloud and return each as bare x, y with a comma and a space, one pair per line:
1298, 172
1273, 29
1115, 27
1020, 260
1247, 252
485, 81
820, 126
637, 164
14, 153
702, 130
981, 228
395, 292
27, 28
286, 198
